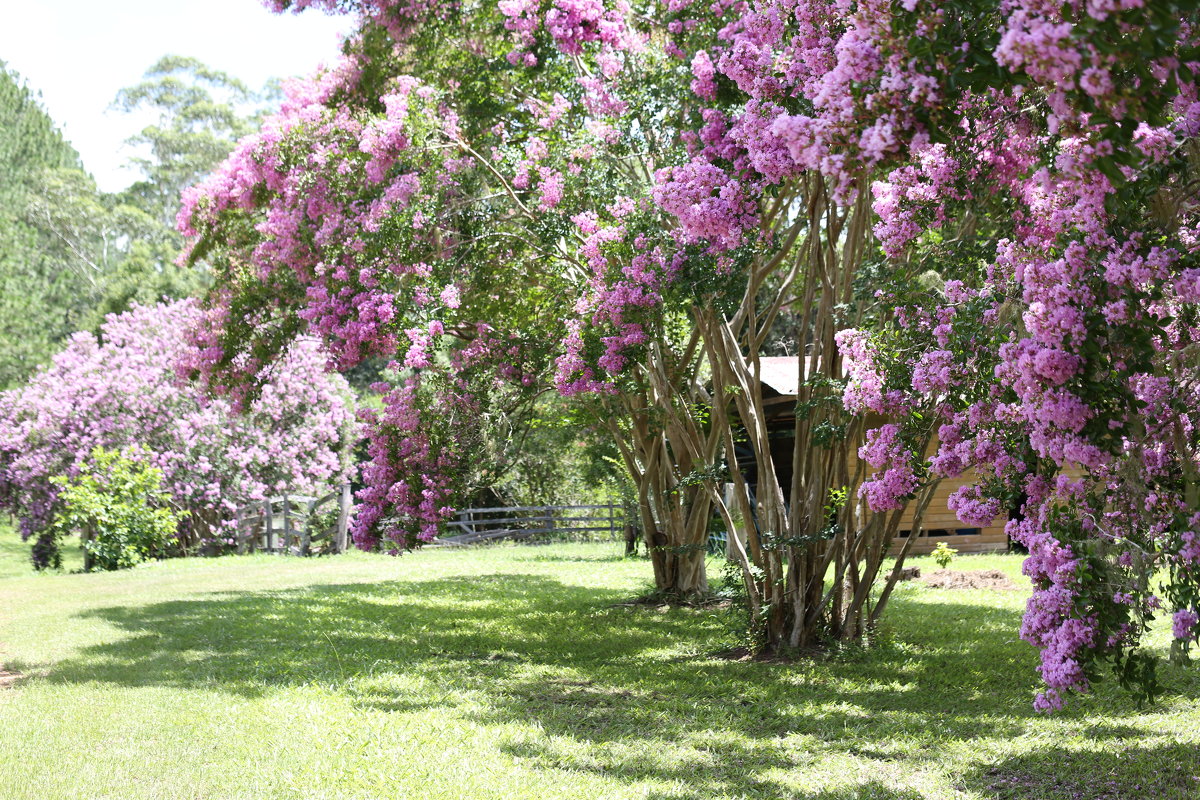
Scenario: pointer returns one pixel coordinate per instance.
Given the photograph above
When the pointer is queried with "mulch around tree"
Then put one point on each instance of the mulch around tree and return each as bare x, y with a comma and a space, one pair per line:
971, 579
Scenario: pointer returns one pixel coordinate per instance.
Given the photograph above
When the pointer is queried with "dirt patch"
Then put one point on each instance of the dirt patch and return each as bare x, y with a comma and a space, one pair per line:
8, 679
971, 579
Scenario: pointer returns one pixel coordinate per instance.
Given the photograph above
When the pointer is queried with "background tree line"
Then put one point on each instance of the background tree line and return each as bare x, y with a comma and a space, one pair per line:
70, 253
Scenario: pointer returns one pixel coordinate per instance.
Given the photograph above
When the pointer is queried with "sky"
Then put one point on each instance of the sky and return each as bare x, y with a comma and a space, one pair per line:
80, 53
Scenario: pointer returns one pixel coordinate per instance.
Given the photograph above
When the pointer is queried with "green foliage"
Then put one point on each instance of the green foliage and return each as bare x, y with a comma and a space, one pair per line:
717, 472
70, 254
943, 554
145, 276
29, 139
201, 111
119, 506
741, 630
546, 454
44, 271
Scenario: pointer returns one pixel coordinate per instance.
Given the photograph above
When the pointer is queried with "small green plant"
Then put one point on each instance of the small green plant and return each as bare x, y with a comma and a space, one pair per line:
943, 554
117, 504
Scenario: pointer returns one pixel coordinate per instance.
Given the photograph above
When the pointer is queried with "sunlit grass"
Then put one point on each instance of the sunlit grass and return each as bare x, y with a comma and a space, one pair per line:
509, 672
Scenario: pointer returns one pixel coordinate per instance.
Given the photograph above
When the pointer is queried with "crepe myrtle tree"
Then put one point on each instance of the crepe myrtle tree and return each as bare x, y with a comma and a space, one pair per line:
978, 215
587, 152
437, 198
759, 230
1038, 160
1078, 162
123, 392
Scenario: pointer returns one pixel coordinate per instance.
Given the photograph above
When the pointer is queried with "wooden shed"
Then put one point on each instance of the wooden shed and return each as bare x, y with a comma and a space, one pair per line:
780, 381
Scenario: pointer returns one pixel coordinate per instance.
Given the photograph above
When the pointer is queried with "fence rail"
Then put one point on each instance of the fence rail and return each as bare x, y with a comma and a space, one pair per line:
478, 525
295, 524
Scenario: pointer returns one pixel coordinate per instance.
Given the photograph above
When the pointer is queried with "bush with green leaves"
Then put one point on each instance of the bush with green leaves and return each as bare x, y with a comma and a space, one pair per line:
943, 554
120, 509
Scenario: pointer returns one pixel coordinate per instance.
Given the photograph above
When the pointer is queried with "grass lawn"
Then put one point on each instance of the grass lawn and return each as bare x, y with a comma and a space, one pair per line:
508, 672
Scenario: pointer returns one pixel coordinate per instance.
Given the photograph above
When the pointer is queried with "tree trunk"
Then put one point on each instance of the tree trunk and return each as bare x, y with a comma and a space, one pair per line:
812, 553
679, 575
664, 448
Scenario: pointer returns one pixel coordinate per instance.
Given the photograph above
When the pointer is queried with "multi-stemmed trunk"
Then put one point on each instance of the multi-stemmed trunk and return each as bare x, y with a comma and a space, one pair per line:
657, 432
811, 553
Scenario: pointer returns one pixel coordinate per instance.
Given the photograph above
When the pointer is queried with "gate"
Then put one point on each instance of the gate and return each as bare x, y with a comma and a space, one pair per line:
295, 524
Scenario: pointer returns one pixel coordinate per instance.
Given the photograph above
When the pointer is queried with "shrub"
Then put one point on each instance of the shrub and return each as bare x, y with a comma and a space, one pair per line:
119, 507
943, 554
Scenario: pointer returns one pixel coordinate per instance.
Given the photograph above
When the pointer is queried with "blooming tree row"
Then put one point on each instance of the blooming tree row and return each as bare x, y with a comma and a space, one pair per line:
437, 202
123, 391
976, 217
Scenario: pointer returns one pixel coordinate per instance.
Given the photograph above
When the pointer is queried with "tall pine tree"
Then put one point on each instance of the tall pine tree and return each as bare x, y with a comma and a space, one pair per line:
47, 275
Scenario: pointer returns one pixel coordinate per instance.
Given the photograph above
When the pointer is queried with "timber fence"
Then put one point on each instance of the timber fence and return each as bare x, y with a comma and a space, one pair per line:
535, 524
296, 524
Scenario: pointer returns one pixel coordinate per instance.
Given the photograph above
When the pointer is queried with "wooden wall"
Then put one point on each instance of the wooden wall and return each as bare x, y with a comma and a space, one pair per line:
939, 524
942, 525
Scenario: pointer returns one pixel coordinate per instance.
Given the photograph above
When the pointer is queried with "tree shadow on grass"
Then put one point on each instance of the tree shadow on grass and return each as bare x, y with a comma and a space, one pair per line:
1153, 772
869, 790
531, 648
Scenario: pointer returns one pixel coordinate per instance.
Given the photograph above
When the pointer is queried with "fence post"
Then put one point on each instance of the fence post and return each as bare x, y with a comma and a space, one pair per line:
269, 524
287, 523
306, 538
252, 517
241, 540
343, 518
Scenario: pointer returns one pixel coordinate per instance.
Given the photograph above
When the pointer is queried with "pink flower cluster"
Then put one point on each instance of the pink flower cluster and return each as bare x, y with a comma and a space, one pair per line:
1042, 179
895, 480
571, 25
123, 390
318, 245
708, 204
913, 198
407, 479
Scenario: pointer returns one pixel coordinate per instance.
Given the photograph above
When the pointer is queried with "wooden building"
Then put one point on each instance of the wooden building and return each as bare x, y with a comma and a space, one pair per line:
780, 378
